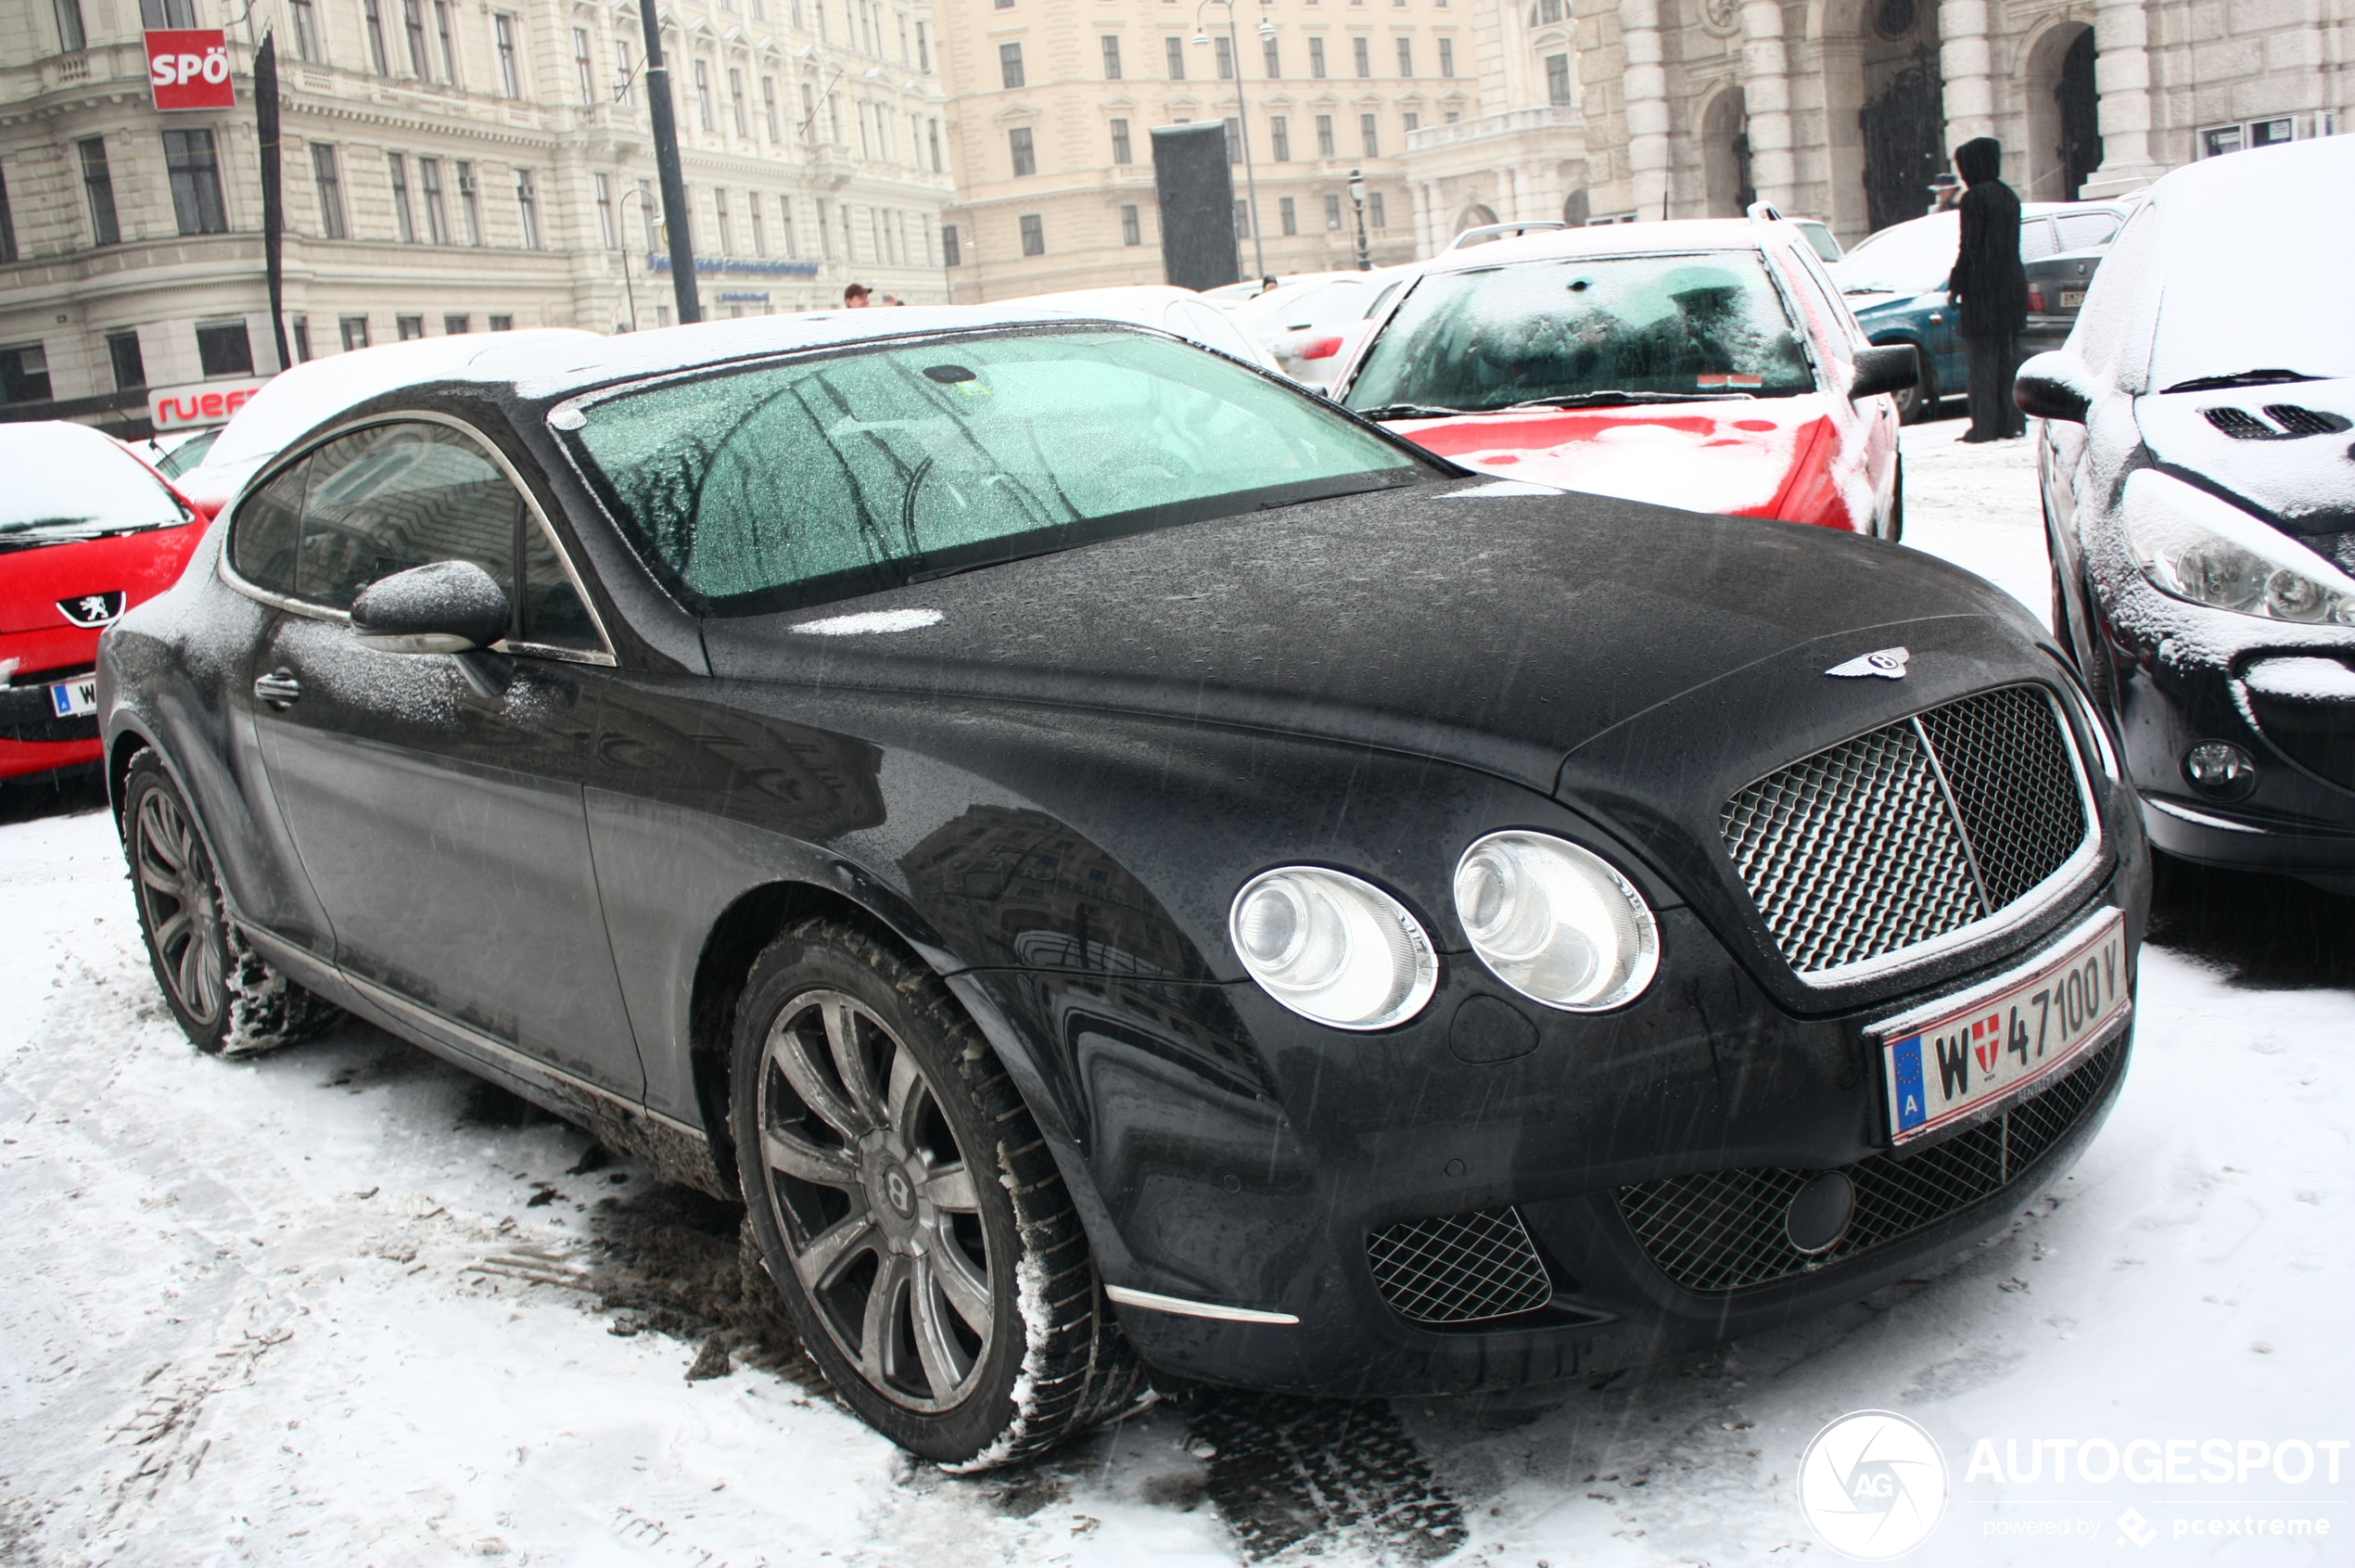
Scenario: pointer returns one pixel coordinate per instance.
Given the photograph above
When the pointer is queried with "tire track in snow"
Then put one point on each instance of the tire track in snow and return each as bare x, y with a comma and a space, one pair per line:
1323, 1475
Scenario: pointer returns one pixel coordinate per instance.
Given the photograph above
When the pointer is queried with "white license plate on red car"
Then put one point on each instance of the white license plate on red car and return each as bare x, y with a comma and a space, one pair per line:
1953, 1061
75, 700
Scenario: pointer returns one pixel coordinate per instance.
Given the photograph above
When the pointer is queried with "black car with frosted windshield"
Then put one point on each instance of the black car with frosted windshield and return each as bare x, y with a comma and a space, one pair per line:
1130, 871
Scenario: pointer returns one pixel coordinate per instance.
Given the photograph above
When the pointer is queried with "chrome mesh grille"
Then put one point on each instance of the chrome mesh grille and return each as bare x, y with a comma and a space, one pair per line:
1912, 831
1460, 1268
1720, 1231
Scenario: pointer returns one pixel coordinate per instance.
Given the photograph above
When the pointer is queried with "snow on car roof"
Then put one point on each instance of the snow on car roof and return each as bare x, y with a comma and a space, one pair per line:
1607, 239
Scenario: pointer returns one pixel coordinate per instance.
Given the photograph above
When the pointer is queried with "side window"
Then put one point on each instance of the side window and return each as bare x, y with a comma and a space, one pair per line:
2036, 240
261, 536
2081, 231
394, 496
1823, 305
2113, 332
553, 616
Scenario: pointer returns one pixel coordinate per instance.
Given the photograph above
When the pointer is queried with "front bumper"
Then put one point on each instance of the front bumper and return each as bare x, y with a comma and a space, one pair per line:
33, 739
1242, 1158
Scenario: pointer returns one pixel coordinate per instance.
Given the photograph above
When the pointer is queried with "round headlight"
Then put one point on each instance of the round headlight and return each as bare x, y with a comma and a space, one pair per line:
1556, 922
1333, 947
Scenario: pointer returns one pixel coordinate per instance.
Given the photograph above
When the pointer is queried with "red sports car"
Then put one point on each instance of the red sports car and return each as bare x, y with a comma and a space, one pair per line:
1708, 364
86, 532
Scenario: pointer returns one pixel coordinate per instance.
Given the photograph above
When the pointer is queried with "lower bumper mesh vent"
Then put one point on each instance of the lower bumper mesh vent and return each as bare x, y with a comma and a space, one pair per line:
1723, 1229
1461, 1269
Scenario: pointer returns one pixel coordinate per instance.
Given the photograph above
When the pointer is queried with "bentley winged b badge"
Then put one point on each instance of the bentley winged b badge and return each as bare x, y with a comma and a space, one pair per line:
1886, 663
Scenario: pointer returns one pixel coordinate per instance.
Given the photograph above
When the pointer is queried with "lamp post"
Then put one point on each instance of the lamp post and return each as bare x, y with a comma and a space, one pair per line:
646, 213
1357, 200
1242, 113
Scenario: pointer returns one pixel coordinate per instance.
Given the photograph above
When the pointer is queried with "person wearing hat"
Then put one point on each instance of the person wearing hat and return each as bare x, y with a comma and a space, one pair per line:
855, 297
1989, 286
1945, 192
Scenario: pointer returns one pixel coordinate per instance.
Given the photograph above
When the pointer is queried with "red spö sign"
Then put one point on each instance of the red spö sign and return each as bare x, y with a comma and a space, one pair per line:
188, 68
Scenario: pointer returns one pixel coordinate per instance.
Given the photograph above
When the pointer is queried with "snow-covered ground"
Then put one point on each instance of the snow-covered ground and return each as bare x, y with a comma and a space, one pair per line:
340, 1304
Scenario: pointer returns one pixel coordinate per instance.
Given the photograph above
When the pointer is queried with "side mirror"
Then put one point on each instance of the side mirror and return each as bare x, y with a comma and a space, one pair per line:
1888, 368
442, 607
2055, 386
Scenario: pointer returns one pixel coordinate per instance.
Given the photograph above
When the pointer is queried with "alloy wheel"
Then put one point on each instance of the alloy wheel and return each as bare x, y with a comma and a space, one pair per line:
876, 1202
182, 915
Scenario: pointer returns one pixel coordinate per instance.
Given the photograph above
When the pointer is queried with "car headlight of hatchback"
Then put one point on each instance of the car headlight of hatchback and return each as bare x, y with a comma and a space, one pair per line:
1557, 923
2201, 548
1333, 947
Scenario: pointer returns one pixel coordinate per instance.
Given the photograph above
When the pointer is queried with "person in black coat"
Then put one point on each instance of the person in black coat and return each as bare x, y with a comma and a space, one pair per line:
1989, 288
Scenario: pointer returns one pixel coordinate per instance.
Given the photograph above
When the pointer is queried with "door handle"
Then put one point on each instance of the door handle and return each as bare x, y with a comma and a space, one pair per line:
279, 689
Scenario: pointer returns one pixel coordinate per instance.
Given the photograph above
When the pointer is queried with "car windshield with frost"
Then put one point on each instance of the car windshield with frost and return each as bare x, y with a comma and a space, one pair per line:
772, 484
1909, 258
47, 501
2239, 286
1585, 331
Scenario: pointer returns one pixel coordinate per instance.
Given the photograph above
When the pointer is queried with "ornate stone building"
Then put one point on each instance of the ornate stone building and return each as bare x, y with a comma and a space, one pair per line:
450, 166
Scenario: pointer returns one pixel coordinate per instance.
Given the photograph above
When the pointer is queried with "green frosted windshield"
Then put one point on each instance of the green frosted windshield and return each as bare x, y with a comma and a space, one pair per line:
787, 482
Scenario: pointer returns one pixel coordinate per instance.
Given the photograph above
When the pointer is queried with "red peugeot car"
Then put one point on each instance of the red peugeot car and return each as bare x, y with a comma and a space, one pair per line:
86, 532
1707, 365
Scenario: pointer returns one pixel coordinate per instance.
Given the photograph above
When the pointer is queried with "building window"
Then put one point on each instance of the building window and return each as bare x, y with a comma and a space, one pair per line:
436, 215
625, 83
1376, 210
1362, 48
457, 327
1406, 57
412, 21
769, 108
923, 48
1447, 57
1325, 137
1369, 135
1009, 64
301, 328
1112, 57
703, 94
527, 209
1414, 120
1034, 236
403, 221
1132, 231
71, 39
503, 27
1242, 219
503, 324
932, 134
1332, 212
736, 103
1025, 156
1272, 58
1549, 10
606, 233
951, 253
8, 224
1224, 49
195, 168
371, 18
1173, 50
825, 235
130, 365
408, 326
1288, 215
330, 183
1121, 152
448, 45
224, 348
1234, 140
581, 65
24, 374
1558, 79
1279, 137
759, 230
306, 28
719, 207
470, 202
1316, 58
98, 184
168, 13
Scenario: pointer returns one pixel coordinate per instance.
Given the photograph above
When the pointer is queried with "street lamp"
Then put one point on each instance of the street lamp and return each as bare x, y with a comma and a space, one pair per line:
646, 214
1357, 200
1242, 112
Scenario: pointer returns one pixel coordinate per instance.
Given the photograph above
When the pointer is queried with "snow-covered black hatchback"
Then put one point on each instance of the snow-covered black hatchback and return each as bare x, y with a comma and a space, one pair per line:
1130, 871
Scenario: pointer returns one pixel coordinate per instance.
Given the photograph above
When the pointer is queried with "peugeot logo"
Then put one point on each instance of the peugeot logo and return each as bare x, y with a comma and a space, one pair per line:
1886, 663
92, 609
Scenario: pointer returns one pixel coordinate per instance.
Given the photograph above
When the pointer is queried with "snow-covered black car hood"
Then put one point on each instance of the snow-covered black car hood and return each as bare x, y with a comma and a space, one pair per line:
1500, 629
2272, 448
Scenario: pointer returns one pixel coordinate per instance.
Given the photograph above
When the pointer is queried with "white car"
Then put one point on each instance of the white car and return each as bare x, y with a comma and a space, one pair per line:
298, 399
1181, 313
1313, 326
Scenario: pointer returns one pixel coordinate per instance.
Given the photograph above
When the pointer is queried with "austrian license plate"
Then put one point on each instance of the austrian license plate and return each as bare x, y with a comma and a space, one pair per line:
1971, 1054
2073, 298
74, 699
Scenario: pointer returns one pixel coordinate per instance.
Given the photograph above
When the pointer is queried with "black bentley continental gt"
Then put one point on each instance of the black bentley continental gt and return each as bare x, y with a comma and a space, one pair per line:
1131, 872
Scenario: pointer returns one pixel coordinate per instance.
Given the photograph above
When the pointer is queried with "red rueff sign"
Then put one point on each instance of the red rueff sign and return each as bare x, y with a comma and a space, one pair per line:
205, 402
188, 68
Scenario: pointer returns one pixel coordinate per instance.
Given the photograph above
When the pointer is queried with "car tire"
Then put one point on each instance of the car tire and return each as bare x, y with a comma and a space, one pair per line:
226, 998
900, 1190
1919, 402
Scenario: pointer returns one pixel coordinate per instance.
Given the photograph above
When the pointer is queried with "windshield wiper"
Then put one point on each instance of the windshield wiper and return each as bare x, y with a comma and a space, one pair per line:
1411, 410
1613, 399
2241, 378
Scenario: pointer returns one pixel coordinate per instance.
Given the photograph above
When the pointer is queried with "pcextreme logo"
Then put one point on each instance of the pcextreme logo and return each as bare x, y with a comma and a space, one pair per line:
1873, 1485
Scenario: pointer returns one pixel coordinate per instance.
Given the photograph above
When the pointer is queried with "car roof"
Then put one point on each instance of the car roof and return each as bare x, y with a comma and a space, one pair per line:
1607, 239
